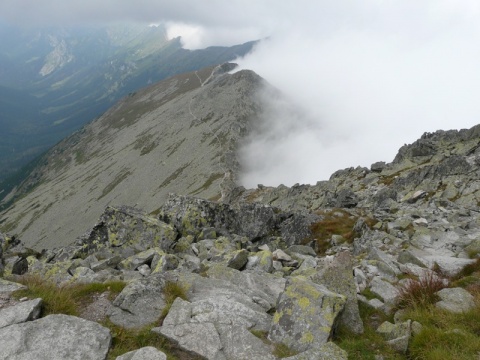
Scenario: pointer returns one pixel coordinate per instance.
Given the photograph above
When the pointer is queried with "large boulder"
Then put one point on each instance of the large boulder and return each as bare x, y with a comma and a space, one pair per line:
456, 300
55, 337
306, 314
217, 336
337, 276
252, 220
140, 302
128, 227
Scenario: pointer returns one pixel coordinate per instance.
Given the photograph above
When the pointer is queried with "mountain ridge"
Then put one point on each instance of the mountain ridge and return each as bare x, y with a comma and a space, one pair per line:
178, 135
85, 71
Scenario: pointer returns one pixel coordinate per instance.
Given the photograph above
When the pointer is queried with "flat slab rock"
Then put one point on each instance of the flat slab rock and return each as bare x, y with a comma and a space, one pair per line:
9, 286
214, 340
55, 337
21, 312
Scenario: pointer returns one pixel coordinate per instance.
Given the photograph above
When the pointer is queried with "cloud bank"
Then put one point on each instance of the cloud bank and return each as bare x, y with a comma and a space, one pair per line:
366, 76
377, 78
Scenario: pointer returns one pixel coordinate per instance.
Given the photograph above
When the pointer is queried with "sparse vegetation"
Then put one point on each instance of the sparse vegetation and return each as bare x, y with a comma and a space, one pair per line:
279, 350
70, 299
445, 335
282, 351
171, 291
67, 299
118, 179
468, 270
421, 292
334, 222
369, 344
125, 340
174, 175
208, 183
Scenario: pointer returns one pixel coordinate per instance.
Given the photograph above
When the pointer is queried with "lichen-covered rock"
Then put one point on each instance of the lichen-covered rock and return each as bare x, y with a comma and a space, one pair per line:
306, 314
240, 344
199, 338
337, 276
264, 289
397, 335
255, 221
164, 262
144, 257
128, 227
111, 262
140, 303
237, 259
56, 337
262, 261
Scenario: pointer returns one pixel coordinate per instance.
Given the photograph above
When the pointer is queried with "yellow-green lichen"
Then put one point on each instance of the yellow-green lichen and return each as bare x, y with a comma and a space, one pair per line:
276, 318
304, 302
307, 338
265, 257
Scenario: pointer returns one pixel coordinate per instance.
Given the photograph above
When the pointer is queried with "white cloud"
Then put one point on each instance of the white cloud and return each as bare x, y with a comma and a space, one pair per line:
386, 73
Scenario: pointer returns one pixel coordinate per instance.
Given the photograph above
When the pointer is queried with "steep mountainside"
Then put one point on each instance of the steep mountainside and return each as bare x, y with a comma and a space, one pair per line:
179, 135
65, 77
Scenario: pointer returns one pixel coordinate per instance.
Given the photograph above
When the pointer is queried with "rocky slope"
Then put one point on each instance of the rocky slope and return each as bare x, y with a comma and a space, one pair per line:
54, 80
294, 264
179, 135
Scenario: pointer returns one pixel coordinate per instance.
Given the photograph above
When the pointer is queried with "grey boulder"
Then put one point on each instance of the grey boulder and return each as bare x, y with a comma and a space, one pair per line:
21, 312
55, 337
145, 353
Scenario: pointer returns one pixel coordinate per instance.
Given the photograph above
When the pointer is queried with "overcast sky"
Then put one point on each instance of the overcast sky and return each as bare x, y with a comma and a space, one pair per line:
369, 75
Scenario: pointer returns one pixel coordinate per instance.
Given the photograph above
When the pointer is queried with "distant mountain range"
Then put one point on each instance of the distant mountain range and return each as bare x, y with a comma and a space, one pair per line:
55, 80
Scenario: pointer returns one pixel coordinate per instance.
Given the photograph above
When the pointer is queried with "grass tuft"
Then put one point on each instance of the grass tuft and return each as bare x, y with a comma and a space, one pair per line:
171, 291
468, 270
334, 222
64, 299
282, 351
445, 335
421, 292
370, 344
